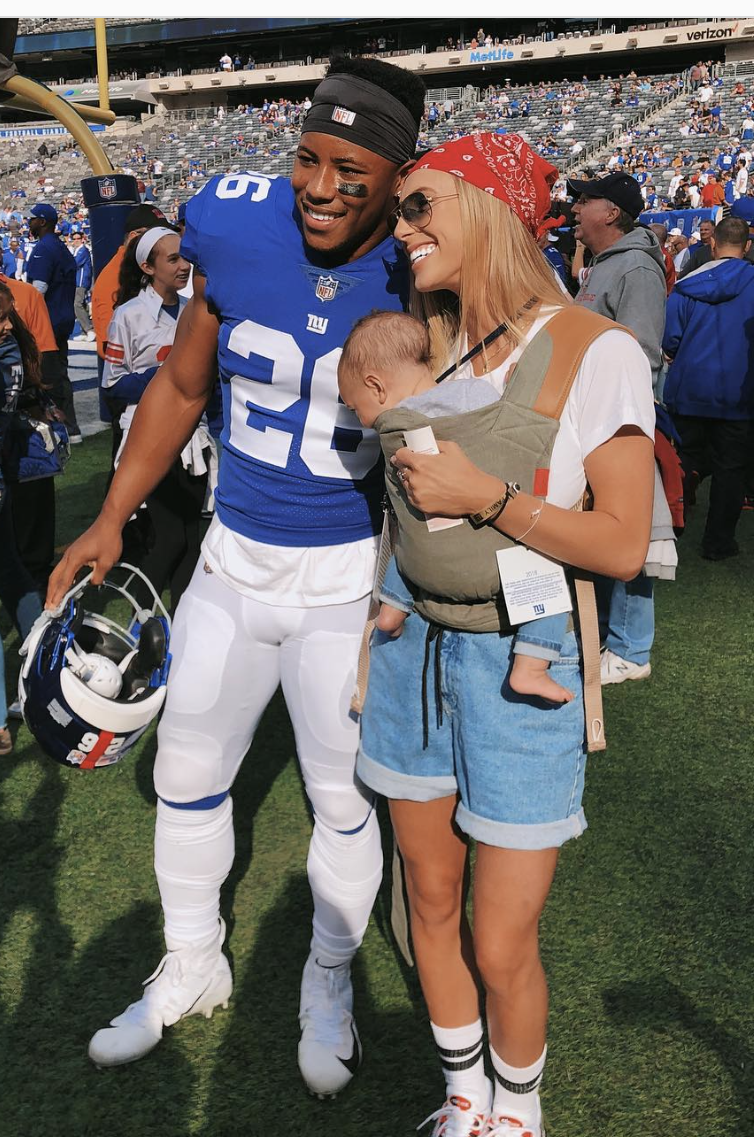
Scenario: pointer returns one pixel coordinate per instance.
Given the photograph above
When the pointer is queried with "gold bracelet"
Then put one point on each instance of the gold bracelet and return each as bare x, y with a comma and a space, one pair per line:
535, 513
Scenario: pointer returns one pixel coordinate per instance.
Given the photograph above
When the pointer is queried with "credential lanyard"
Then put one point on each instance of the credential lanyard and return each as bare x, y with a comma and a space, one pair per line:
499, 331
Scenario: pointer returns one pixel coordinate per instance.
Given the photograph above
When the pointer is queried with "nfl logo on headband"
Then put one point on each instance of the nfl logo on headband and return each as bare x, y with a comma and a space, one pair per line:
343, 115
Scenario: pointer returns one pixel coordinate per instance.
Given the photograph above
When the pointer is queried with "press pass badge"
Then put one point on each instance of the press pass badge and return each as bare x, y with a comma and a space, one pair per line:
533, 585
421, 440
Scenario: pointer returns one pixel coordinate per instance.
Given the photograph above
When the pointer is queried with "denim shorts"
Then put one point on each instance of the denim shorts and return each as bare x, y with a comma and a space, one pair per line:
515, 761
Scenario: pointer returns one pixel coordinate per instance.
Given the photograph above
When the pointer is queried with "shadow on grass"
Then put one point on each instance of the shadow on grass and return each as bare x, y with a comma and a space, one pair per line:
660, 1006
256, 1083
49, 1086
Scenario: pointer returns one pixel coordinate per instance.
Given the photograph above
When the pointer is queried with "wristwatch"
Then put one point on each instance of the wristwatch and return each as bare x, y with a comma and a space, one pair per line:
491, 512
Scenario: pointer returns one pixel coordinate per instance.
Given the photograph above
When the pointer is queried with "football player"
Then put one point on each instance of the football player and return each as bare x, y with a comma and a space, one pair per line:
282, 269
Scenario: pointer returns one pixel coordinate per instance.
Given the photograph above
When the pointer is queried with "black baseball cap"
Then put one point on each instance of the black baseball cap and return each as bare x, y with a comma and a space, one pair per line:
621, 189
146, 217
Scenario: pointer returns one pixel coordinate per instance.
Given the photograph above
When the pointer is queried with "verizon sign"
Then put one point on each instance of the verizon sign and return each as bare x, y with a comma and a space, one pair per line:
702, 35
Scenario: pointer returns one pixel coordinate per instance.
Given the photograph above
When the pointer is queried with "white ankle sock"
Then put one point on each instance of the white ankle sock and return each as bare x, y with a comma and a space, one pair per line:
517, 1088
461, 1051
193, 854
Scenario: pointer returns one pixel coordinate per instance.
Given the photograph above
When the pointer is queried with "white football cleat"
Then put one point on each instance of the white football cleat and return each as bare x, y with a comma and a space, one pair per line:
613, 669
329, 1053
460, 1116
191, 981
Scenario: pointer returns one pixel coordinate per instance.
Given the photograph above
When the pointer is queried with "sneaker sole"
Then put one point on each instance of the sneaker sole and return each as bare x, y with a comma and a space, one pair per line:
609, 681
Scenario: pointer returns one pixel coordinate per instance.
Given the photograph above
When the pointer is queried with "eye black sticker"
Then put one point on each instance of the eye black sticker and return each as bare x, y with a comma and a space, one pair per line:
353, 189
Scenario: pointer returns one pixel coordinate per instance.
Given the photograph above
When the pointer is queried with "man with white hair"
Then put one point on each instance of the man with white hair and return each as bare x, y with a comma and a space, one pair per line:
679, 247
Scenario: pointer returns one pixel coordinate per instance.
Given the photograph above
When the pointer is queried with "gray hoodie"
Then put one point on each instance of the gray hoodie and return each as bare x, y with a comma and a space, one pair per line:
627, 283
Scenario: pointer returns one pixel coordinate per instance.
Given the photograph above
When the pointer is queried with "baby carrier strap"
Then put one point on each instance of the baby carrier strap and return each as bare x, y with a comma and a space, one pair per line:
572, 331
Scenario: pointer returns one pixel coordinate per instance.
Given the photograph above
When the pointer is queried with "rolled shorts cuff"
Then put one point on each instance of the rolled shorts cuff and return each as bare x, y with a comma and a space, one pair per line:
399, 602
546, 835
403, 787
539, 649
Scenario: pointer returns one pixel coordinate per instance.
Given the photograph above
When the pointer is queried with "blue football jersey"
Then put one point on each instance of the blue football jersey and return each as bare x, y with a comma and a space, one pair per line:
297, 467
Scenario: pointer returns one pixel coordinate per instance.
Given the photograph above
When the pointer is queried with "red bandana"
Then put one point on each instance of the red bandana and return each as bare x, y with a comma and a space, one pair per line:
503, 165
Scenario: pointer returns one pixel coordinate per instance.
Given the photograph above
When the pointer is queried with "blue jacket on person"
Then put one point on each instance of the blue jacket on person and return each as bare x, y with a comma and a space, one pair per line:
709, 333
83, 267
51, 263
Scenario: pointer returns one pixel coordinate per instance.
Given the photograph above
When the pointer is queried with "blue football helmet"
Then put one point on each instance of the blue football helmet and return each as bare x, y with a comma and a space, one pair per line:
89, 686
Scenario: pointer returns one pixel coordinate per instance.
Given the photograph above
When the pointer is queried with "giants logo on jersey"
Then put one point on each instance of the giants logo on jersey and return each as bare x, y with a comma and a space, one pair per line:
317, 324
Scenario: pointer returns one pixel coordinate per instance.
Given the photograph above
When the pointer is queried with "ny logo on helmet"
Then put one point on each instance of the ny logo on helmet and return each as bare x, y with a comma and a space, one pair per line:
326, 288
107, 188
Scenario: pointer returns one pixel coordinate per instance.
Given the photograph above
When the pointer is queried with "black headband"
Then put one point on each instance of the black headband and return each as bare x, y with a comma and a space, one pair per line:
365, 114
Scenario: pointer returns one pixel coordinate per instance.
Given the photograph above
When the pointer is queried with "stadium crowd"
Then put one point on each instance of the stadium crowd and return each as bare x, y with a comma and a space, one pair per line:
677, 387
708, 180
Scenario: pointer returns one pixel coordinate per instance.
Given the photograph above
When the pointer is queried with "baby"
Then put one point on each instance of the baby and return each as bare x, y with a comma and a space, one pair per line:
386, 363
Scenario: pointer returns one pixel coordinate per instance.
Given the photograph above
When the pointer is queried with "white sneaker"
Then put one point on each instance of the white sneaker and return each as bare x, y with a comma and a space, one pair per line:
459, 1116
75, 438
90, 336
14, 710
500, 1126
613, 669
329, 1052
191, 981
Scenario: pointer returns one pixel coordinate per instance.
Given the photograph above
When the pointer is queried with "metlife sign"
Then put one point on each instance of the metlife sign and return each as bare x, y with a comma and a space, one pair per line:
492, 55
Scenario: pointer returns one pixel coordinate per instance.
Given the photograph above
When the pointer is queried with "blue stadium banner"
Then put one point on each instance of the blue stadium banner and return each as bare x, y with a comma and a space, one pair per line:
29, 131
687, 220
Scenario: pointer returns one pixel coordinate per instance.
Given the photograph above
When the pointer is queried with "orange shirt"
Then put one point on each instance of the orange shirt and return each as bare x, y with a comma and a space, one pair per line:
712, 194
103, 298
31, 307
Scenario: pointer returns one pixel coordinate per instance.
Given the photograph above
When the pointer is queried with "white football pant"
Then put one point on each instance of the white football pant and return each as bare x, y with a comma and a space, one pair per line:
229, 655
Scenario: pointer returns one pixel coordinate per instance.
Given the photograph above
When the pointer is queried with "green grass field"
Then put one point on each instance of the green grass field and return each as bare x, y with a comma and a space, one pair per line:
647, 936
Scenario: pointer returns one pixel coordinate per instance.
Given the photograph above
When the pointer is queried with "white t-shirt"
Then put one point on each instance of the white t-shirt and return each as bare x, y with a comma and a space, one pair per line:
613, 388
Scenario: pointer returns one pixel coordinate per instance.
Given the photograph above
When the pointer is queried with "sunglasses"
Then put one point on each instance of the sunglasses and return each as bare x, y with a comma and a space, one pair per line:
416, 210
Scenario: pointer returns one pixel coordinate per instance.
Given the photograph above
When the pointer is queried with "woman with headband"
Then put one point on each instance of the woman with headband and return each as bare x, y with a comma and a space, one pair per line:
139, 339
458, 753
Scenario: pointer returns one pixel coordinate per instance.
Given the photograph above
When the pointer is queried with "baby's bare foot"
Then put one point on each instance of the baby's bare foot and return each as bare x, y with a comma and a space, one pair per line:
391, 620
524, 680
